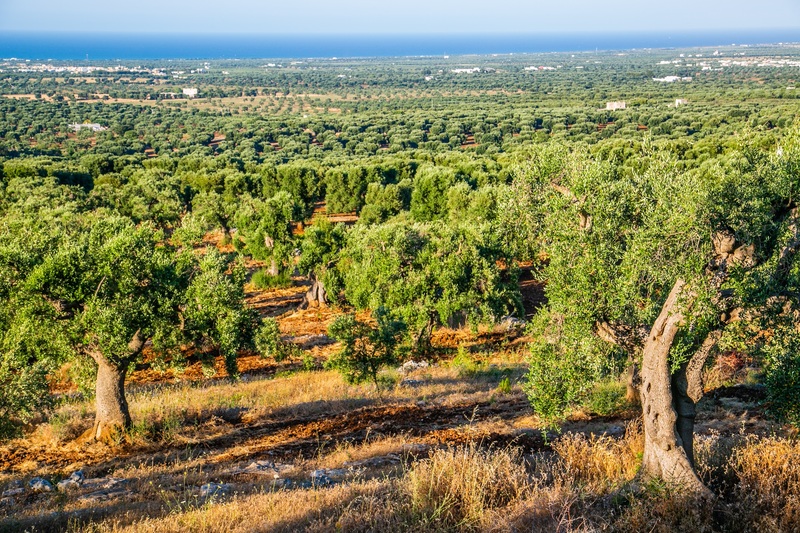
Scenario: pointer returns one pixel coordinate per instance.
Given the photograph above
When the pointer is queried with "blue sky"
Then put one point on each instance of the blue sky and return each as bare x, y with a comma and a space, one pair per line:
405, 16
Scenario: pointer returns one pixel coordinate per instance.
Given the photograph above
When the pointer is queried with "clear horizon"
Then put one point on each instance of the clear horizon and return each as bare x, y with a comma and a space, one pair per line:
112, 46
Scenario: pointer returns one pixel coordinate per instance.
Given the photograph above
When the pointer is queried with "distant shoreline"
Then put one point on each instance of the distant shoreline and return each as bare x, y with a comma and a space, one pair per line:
108, 47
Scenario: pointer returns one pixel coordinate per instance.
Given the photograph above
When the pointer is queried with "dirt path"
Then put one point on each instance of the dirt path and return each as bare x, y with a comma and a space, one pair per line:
293, 438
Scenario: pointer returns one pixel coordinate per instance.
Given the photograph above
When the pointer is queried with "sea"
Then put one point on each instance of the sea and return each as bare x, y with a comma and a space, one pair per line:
131, 46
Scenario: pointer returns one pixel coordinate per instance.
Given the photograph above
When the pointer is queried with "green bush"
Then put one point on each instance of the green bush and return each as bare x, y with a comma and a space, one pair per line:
21, 397
263, 280
504, 387
607, 398
269, 343
465, 365
366, 349
782, 376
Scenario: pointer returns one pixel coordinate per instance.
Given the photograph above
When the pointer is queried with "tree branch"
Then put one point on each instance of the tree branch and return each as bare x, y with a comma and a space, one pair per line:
629, 338
694, 368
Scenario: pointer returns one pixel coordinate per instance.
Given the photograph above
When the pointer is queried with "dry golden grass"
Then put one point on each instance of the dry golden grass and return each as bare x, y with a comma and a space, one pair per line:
281, 511
461, 485
768, 488
582, 485
601, 462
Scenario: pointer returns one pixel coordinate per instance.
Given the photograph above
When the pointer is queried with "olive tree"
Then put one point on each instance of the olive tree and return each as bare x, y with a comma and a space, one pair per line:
264, 228
661, 267
319, 253
107, 289
429, 274
366, 348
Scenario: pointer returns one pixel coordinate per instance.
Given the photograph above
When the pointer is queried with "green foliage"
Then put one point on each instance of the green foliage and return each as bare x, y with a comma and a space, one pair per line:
465, 364
264, 228
217, 321
88, 286
429, 274
385, 201
191, 231
83, 373
429, 198
782, 361
559, 377
616, 242
262, 279
451, 183
606, 237
21, 397
607, 398
319, 254
268, 341
366, 348
504, 387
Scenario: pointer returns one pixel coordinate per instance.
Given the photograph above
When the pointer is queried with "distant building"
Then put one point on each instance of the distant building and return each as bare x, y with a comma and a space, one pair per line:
93, 127
680, 102
191, 92
613, 106
673, 79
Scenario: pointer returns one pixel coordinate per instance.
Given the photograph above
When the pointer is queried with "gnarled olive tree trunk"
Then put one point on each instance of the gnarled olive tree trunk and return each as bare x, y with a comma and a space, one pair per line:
111, 405
316, 295
668, 401
112, 414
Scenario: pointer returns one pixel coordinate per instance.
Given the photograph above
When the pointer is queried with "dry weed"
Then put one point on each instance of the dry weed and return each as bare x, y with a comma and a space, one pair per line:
601, 462
456, 488
767, 496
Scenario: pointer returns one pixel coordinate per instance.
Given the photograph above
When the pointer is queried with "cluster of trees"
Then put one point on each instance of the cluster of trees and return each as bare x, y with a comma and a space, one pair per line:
102, 262
660, 270
660, 247
323, 110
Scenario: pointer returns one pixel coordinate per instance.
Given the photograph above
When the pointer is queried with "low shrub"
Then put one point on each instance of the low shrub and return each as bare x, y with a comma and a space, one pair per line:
607, 398
263, 280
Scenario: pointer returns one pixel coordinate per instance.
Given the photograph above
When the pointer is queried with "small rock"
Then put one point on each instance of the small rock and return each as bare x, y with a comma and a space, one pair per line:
615, 431
66, 485
327, 477
104, 483
374, 462
723, 242
215, 489
510, 323
336, 473
269, 468
307, 342
415, 448
12, 492
321, 481
745, 255
74, 481
105, 495
39, 485
279, 483
410, 366
412, 383
7, 502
